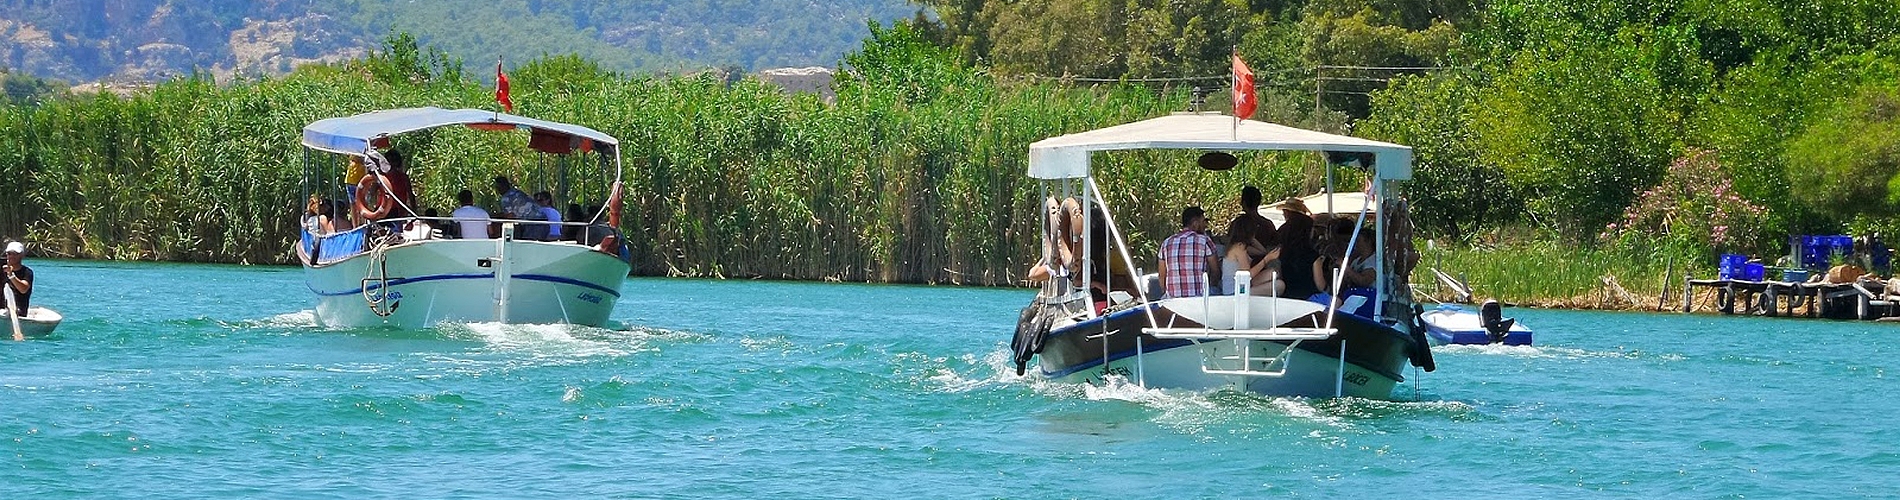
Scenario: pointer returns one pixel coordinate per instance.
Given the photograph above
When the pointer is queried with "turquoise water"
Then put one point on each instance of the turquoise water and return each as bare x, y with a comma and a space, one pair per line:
190, 381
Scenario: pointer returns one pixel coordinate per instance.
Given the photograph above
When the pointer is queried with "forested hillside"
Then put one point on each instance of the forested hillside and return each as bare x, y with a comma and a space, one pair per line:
150, 40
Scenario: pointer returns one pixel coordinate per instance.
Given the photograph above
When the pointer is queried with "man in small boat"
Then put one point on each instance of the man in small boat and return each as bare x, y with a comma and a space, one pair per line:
19, 278
1187, 256
470, 219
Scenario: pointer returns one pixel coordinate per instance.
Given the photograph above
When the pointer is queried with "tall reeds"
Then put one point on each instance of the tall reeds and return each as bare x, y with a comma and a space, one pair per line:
735, 179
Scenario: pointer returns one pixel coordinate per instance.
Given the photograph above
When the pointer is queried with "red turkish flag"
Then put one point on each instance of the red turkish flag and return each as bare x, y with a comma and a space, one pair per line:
501, 89
1244, 102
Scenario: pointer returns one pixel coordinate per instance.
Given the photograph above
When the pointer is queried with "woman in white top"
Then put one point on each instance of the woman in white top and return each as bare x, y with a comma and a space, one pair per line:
1246, 253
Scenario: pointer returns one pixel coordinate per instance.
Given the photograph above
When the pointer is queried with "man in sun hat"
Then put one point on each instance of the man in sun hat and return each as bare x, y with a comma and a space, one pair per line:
19, 277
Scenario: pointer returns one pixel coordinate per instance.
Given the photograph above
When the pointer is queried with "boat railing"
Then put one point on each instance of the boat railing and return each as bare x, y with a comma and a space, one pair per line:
585, 232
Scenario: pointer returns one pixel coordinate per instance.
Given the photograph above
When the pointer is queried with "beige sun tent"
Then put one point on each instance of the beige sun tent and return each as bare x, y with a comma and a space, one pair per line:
1342, 204
1067, 157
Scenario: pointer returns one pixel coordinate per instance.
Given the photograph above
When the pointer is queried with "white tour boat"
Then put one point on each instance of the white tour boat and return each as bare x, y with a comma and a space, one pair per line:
1277, 346
385, 273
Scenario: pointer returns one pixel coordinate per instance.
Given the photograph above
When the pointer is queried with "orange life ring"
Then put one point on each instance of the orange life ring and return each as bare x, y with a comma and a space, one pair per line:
384, 200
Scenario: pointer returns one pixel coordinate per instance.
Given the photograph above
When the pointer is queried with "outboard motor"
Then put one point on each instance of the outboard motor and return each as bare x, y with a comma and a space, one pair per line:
1421, 347
1496, 326
1032, 328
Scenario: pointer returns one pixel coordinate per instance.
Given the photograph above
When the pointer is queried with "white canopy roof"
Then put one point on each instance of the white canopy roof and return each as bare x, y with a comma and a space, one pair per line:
353, 134
1345, 204
1067, 157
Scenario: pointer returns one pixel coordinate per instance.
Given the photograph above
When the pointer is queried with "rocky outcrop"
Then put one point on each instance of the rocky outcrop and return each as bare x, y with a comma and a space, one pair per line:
813, 80
276, 47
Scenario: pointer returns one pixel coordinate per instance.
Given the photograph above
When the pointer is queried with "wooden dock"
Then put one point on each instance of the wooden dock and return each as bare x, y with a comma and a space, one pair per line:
1864, 300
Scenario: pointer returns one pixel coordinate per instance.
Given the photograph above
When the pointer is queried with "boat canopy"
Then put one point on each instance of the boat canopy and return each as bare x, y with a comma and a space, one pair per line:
353, 135
1067, 157
1336, 204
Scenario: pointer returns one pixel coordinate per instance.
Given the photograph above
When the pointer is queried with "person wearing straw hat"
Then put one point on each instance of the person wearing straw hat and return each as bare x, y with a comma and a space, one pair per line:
1298, 257
19, 278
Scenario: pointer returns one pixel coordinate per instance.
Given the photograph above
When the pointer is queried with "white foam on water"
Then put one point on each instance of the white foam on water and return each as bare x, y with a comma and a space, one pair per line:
556, 342
950, 380
1194, 412
304, 319
1532, 351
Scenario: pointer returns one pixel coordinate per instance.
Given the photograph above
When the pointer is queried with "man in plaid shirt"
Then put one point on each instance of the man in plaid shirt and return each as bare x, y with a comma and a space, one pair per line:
1186, 256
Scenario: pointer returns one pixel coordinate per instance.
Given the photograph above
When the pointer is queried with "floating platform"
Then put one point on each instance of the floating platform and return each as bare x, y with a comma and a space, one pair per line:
1864, 300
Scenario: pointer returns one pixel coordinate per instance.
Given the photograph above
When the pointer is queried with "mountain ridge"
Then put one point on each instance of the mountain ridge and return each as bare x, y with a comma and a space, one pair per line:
151, 40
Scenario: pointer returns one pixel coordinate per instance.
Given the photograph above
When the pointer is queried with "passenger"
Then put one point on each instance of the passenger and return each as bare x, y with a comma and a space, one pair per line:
333, 207
1112, 271
1072, 234
326, 217
574, 214
1245, 253
316, 218
1335, 236
352, 175
19, 281
551, 214
400, 185
1361, 267
1263, 229
421, 228
1187, 256
511, 203
471, 220
1055, 256
1298, 258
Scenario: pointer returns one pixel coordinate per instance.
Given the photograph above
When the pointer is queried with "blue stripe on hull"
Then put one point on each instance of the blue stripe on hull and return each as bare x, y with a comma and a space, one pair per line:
468, 276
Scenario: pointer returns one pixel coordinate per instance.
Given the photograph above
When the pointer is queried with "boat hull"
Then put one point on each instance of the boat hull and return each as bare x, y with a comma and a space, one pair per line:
1375, 357
468, 281
38, 321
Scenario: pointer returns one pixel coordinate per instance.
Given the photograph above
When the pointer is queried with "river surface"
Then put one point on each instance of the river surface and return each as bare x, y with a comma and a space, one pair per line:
197, 381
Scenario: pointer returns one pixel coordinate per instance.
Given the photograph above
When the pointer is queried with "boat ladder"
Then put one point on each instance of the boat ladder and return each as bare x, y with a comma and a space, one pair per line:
378, 274
1242, 362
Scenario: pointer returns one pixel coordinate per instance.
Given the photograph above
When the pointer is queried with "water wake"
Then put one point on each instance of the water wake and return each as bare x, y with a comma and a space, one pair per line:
1195, 412
1533, 351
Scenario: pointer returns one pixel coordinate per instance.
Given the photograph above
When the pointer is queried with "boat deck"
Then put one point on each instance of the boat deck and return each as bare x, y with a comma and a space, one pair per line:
1865, 300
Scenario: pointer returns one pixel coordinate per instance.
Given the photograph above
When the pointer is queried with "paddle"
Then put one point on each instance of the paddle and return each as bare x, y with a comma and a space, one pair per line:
12, 306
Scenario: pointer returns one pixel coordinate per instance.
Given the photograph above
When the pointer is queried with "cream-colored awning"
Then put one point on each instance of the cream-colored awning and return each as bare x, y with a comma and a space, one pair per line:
1067, 157
1345, 204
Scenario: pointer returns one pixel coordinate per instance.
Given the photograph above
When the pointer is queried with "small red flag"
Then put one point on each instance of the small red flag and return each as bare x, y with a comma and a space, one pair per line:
1244, 102
501, 89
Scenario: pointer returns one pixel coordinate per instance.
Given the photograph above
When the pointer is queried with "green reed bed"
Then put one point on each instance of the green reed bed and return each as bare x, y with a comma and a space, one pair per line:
1550, 274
